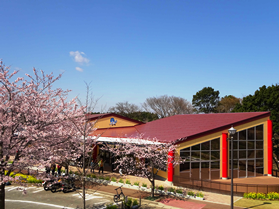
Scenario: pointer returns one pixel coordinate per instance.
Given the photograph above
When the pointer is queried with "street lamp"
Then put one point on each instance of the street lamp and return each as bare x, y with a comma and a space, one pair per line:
232, 131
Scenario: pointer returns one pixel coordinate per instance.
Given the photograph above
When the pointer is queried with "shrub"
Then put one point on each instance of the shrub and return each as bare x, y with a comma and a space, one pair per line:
113, 179
77, 173
135, 202
144, 185
107, 178
171, 189
178, 191
121, 181
252, 195
199, 194
273, 196
128, 203
161, 188
127, 181
136, 183
245, 195
261, 196
190, 193
93, 176
101, 177
88, 175
71, 172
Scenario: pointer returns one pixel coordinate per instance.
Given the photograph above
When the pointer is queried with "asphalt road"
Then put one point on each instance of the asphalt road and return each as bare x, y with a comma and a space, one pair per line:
37, 197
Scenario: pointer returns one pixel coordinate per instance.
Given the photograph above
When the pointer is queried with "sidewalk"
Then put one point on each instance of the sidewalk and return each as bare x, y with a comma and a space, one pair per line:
209, 196
169, 203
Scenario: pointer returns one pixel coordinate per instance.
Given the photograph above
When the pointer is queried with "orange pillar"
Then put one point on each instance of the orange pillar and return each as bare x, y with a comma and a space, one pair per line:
269, 148
225, 159
170, 166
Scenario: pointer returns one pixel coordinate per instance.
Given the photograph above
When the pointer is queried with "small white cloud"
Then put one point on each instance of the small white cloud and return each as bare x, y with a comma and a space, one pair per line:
79, 69
78, 57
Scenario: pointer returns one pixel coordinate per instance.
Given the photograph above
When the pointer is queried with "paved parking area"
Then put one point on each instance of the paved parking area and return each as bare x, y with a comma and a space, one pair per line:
37, 197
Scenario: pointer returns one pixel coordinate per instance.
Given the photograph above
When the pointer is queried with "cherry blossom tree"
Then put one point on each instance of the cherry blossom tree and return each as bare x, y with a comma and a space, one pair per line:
143, 157
36, 122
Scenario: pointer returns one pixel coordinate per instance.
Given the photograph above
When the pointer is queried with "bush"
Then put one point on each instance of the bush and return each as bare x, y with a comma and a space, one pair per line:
171, 189
252, 195
121, 181
71, 172
144, 185
178, 191
135, 202
127, 181
93, 176
77, 173
199, 194
261, 196
245, 195
113, 179
136, 183
101, 177
131, 202
190, 193
161, 188
107, 178
273, 196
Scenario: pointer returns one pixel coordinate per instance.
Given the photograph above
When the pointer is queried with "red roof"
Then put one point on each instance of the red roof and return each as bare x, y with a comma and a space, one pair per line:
184, 126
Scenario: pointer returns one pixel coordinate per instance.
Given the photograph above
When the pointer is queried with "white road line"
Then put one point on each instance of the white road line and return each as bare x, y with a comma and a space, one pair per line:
38, 190
39, 203
12, 188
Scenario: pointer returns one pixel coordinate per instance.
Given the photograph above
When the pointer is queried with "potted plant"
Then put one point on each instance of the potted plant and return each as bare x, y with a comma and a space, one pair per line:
161, 189
179, 192
107, 180
191, 194
143, 186
171, 191
121, 182
136, 185
128, 183
199, 196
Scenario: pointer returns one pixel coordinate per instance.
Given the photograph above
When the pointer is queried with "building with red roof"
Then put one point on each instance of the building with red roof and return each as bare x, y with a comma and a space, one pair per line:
203, 141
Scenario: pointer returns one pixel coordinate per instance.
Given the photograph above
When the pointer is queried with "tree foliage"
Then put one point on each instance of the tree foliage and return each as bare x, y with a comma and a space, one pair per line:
227, 103
143, 157
206, 100
166, 106
264, 99
37, 124
132, 111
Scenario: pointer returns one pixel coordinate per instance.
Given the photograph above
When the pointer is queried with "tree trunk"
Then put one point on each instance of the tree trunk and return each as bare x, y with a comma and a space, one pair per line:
2, 186
83, 174
153, 181
2, 196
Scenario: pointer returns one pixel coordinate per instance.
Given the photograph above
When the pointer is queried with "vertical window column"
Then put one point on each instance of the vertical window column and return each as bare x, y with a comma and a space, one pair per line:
224, 156
269, 147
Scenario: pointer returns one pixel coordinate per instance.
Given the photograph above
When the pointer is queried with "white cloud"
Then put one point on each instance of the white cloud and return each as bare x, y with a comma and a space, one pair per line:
78, 57
79, 69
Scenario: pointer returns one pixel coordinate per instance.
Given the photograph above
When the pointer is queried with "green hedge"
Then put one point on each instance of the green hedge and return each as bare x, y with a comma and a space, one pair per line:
262, 196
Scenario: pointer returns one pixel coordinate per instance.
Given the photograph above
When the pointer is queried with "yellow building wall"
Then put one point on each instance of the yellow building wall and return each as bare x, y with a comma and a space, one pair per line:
219, 135
105, 123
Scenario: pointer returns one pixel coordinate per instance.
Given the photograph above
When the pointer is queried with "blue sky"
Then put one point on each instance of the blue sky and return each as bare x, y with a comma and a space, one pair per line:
135, 49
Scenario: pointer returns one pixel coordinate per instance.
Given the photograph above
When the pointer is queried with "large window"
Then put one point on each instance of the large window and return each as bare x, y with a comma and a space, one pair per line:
202, 160
248, 152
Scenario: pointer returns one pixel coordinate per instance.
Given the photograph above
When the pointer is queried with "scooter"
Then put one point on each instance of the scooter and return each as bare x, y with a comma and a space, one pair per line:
56, 186
47, 184
68, 185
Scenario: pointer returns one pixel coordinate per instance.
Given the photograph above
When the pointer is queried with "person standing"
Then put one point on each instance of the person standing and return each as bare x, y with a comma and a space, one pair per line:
53, 166
92, 164
59, 169
101, 165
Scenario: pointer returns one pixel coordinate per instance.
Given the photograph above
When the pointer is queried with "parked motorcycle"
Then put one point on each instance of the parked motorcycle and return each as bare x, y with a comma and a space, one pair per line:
56, 186
68, 185
47, 184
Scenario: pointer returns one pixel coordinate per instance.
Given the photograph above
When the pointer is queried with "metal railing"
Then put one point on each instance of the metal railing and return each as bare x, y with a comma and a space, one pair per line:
222, 187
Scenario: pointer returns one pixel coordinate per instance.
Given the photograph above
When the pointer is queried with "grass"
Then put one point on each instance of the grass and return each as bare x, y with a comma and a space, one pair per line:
257, 204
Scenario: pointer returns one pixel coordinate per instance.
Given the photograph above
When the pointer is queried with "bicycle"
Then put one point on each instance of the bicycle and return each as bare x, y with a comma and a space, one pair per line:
119, 197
